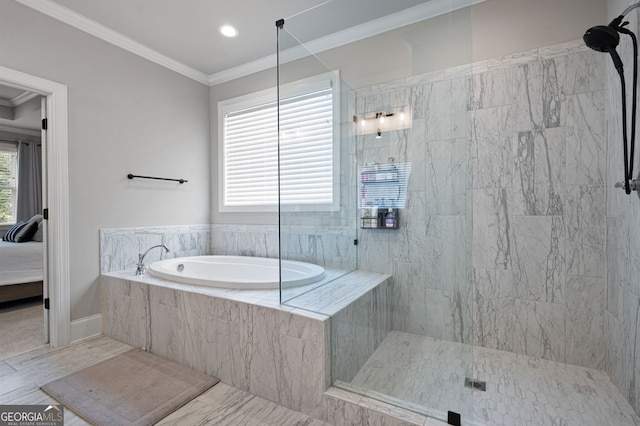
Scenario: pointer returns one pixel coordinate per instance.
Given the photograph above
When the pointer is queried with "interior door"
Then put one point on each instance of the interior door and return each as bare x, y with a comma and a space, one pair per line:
45, 278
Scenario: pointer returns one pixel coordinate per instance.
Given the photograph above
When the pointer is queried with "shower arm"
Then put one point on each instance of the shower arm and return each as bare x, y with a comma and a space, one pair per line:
629, 9
617, 21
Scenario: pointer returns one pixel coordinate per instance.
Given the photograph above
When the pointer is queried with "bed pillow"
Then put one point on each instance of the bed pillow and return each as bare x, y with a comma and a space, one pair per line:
11, 233
27, 232
38, 235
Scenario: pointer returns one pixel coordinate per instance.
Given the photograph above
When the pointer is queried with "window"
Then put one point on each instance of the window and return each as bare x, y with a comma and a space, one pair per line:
8, 188
248, 149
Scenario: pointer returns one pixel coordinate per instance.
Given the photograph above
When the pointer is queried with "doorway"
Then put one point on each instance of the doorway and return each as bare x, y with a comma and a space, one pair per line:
56, 286
22, 253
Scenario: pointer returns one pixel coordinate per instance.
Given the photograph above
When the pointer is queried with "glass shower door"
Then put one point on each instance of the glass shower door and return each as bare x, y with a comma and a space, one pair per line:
405, 199
316, 169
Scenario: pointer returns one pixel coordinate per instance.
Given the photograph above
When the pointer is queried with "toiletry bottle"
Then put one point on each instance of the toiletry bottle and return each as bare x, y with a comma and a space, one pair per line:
390, 219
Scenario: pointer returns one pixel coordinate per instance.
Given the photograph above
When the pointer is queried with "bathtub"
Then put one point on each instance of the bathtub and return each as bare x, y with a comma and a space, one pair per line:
238, 272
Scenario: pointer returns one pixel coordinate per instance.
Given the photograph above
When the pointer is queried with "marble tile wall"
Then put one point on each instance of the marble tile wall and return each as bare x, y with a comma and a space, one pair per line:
502, 243
119, 247
622, 319
277, 353
327, 246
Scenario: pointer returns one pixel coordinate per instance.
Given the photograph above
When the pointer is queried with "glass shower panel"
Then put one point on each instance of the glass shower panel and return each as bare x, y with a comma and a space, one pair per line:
316, 172
406, 166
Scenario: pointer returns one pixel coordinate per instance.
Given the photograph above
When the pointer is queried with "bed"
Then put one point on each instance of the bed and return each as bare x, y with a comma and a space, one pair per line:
21, 270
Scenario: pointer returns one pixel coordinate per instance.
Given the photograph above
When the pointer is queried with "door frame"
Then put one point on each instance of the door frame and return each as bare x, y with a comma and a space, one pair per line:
57, 188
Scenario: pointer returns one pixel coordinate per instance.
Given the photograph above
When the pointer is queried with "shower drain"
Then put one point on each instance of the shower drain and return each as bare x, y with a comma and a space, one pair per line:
475, 384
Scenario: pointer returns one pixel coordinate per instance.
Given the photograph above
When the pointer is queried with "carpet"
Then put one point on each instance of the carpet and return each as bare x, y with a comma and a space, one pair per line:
134, 388
21, 327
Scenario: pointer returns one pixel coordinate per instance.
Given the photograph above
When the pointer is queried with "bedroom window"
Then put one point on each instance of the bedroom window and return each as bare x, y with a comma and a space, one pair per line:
248, 148
8, 177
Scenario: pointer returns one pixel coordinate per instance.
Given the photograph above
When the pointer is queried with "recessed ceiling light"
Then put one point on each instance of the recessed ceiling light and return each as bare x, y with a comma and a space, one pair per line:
228, 31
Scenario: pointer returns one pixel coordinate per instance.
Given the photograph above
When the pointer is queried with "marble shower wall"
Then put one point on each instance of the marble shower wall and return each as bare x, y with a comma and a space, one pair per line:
502, 243
119, 247
622, 319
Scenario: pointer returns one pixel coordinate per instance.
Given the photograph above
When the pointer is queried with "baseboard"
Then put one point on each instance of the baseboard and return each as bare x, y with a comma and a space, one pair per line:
86, 327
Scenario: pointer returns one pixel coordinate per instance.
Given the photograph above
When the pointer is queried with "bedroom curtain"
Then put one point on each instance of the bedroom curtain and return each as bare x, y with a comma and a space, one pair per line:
29, 180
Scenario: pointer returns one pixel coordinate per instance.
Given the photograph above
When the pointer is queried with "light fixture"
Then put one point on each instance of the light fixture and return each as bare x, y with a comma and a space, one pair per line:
228, 31
398, 118
380, 121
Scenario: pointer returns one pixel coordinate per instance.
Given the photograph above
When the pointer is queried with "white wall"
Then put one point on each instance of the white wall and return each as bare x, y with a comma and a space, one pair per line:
503, 27
491, 29
126, 115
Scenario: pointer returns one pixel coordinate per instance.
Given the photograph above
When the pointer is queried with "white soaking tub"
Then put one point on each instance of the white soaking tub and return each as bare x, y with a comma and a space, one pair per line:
236, 272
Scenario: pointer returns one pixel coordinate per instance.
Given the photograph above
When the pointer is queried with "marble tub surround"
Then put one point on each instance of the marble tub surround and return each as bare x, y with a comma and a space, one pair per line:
119, 247
271, 352
503, 245
245, 338
327, 246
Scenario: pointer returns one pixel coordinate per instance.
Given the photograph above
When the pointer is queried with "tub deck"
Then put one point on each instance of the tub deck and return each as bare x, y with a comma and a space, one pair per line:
337, 290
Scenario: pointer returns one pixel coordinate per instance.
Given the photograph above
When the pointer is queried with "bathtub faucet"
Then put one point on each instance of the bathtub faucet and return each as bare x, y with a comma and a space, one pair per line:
140, 267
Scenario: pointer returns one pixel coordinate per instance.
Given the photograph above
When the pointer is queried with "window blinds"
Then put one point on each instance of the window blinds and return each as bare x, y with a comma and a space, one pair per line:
306, 151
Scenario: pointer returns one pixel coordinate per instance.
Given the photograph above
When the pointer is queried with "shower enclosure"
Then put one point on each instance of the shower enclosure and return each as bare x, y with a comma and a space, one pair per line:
497, 253
405, 121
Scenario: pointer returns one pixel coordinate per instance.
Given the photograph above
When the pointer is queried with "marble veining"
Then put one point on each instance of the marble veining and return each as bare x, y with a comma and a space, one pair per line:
511, 207
119, 247
539, 187
521, 390
585, 132
492, 228
247, 338
586, 231
491, 147
538, 264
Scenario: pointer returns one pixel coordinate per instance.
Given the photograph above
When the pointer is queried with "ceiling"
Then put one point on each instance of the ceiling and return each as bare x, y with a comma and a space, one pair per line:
19, 111
183, 35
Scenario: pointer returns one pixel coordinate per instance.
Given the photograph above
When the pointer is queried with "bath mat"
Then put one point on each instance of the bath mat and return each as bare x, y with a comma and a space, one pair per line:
133, 388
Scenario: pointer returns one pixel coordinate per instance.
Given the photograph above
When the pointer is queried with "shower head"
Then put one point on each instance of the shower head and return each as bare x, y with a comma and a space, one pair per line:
605, 38
602, 38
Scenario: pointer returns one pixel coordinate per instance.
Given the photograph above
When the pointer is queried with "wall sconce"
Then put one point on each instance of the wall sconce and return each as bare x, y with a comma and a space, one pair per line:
383, 121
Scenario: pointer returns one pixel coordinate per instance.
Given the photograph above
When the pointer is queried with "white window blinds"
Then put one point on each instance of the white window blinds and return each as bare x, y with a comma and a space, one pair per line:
307, 149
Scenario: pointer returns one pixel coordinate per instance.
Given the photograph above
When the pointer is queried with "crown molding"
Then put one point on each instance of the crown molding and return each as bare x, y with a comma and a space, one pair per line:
243, 70
102, 32
408, 16
23, 98
21, 130
400, 19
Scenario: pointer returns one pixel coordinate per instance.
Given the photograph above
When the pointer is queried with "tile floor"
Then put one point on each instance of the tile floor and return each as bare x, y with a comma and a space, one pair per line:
22, 375
521, 390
